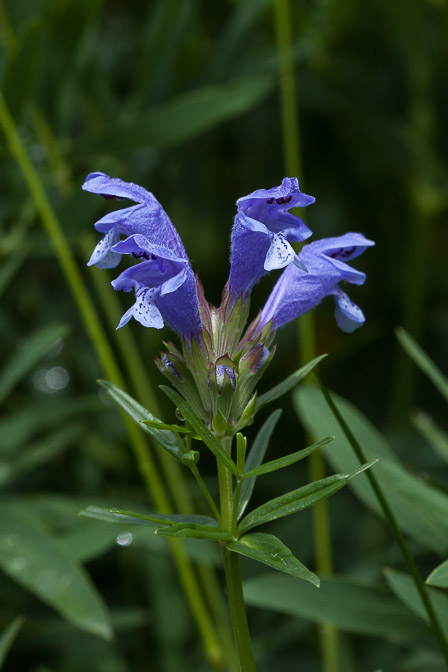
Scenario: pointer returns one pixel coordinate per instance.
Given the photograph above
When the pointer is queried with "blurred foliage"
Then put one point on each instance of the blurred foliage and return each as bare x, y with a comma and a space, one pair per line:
182, 97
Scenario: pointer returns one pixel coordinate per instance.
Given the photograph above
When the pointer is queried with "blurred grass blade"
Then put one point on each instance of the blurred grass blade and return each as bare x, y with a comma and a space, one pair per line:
10, 267
255, 458
287, 460
8, 636
421, 359
288, 384
18, 428
167, 440
34, 558
352, 606
27, 357
184, 117
22, 67
207, 437
271, 551
38, 454
439, 576
436, 437
404, 588
299, 499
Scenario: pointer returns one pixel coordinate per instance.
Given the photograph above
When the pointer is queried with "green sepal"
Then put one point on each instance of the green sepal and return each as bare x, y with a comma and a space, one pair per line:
191, 458
269, 550
219, 424
247, 416
166, 439
287, 460
191, 530
288, 384
208, 438
299, 499
184, 382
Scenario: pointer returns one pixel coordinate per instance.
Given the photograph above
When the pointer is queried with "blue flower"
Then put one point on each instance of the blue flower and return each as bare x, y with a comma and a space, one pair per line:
296, 292
164, 285
163, 281
262, 233
147, 218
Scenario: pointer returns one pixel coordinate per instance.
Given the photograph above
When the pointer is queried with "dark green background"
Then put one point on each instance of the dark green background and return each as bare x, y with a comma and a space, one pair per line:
182, 97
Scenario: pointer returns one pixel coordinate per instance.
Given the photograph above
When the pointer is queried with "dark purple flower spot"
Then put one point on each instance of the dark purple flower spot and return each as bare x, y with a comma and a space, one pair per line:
288, 199
269, 201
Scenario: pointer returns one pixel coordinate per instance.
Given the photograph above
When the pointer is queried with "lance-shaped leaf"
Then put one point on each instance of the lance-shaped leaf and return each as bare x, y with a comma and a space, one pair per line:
198, 426
439, 576
194, 531
404, 588
167, 440
33, 557
350, 605
255, 458
288, 384
272, 552
8, 636
419, 356
297, 500
287, 460
434, 435
132, 518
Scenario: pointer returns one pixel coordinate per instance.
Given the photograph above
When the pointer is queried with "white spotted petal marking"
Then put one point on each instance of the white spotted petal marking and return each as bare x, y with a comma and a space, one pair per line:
280, 253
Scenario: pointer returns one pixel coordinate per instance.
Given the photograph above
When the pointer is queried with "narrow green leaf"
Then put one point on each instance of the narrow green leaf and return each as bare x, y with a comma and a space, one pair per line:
194, 531
8, 636
288, 384
37, 560
167, 440
421, 510
421, 359
297, 500
436, 437
130, 517
255, 458
177, 429
272, 552
349, 605
286, 461
439, 576
208, 438
27, 357
404, 588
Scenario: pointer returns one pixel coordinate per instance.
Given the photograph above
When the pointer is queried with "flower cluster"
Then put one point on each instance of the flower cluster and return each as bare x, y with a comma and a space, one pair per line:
220, 364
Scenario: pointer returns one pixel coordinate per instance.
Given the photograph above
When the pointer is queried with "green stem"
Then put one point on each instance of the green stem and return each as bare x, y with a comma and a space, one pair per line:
390, 517
293, 164
232, 569
238, 610
145, 462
